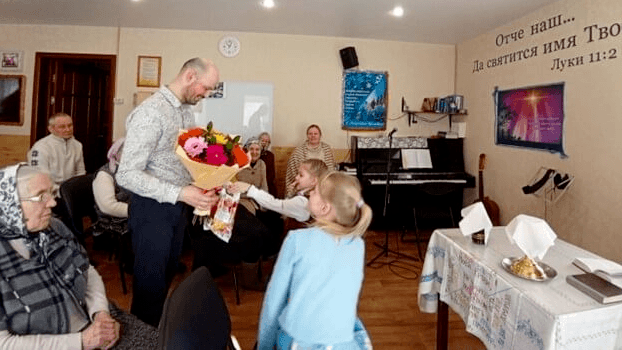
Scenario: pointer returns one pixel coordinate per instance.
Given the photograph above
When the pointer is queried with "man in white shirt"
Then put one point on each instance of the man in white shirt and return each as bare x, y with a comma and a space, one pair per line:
59, 153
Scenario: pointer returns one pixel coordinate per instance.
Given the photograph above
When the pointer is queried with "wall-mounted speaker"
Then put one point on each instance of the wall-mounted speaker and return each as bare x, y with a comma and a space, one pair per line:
348, 57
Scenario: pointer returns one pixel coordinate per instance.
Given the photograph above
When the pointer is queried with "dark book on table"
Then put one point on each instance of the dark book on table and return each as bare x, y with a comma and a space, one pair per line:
598, 288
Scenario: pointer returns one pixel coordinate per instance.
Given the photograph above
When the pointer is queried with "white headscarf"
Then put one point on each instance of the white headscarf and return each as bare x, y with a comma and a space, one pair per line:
114, 154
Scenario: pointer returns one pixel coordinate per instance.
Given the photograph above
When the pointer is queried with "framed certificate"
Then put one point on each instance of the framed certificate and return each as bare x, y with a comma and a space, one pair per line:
149, 70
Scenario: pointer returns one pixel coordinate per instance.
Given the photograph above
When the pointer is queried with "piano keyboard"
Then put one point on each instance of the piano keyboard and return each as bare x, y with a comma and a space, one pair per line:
418, 182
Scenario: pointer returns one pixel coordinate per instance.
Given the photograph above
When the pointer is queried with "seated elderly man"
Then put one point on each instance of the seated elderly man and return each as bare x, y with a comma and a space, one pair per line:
50, 297
59, 153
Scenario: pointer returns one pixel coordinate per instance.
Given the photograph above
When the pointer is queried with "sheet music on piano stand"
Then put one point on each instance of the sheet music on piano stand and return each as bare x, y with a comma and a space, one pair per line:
416, 158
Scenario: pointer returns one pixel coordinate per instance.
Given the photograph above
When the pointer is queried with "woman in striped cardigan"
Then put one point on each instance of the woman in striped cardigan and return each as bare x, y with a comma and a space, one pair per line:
312, 148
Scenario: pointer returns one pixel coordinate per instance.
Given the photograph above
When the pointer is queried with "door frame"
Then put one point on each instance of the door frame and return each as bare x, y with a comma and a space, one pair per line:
40, 56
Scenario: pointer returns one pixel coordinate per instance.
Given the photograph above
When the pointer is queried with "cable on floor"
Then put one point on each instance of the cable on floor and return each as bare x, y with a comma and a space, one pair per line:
400, 263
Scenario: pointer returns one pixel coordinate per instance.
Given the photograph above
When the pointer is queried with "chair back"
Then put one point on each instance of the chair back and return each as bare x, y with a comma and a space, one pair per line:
77, 194
195, 316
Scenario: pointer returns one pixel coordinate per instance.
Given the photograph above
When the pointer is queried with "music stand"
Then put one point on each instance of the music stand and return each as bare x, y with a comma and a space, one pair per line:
385, 247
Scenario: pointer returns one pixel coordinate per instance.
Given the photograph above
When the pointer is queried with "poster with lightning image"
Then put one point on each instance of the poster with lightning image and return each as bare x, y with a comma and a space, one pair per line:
531, 117
364, 100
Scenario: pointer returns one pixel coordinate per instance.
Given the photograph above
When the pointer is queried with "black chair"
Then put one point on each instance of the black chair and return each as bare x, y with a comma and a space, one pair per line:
195, 316
77, 195
117, 230
247, 239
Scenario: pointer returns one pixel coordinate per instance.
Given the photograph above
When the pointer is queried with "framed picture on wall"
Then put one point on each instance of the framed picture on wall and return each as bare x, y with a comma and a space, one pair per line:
364, 100
218, 92
149, 71
12, 98
531, 117
11, 61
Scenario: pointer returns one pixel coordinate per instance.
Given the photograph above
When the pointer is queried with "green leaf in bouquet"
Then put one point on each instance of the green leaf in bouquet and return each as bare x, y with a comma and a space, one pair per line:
209, 127
236, 140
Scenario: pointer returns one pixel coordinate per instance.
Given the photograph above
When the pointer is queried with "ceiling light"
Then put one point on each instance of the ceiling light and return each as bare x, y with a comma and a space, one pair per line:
267, 4
398, 11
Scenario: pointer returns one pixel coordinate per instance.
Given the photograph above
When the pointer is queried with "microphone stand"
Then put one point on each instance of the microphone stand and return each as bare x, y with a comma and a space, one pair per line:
385, 246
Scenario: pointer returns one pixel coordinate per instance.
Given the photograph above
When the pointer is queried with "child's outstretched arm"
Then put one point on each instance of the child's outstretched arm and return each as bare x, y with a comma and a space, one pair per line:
295, 207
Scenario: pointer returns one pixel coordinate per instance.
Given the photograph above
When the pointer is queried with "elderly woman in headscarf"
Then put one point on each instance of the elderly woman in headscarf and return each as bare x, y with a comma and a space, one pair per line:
50, 296
111, 204
111, 200
255, 174
250, 239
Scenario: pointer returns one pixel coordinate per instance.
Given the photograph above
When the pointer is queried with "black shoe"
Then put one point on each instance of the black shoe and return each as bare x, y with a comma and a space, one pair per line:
535, 187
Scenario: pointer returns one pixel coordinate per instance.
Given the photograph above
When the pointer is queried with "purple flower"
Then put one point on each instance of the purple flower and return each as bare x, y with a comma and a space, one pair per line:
215, 155
195, 146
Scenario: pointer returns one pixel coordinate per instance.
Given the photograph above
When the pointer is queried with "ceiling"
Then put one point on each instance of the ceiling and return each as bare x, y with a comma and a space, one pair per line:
424, 21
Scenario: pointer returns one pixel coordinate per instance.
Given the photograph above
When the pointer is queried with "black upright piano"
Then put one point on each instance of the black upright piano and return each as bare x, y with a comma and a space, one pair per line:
437, 188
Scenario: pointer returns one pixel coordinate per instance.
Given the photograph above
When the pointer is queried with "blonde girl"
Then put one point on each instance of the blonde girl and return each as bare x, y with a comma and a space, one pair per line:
308, 176
311, 300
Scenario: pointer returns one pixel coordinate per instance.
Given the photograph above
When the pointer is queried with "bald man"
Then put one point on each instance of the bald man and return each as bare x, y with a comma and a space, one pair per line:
162, 194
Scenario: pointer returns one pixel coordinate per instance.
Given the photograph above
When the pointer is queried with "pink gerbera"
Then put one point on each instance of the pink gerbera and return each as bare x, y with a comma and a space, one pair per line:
195, 146
215, 155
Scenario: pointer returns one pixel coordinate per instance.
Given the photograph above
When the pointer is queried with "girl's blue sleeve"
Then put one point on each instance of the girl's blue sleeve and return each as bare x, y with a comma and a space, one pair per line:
276, 295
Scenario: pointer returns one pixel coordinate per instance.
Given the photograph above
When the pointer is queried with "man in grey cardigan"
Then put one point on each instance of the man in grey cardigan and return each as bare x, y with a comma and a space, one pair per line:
161, 188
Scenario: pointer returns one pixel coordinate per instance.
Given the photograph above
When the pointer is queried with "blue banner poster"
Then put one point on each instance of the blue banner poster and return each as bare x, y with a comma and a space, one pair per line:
364, 100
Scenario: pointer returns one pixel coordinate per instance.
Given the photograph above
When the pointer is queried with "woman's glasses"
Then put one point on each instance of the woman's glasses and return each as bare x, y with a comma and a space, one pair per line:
43, 197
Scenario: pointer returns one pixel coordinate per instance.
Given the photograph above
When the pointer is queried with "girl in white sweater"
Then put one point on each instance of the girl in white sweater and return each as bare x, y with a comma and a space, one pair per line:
309, 172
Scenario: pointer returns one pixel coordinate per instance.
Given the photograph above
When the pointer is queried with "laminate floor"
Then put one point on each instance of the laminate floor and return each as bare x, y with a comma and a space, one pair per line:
388, 303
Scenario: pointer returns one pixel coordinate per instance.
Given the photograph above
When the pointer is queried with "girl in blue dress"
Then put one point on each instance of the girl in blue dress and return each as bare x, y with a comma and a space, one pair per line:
312, 298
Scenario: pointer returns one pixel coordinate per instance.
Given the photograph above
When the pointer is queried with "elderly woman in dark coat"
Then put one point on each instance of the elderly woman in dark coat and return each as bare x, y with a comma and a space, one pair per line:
50, 296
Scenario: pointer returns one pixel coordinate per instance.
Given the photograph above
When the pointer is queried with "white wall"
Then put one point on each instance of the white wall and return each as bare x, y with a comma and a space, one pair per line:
589, 214
68, 39
305, 70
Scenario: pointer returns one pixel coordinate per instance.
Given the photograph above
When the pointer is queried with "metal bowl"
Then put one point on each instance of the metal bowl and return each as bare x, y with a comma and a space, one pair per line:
548, 272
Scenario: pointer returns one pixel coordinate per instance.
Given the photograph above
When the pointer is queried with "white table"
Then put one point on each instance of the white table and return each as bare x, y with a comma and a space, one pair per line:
508, 312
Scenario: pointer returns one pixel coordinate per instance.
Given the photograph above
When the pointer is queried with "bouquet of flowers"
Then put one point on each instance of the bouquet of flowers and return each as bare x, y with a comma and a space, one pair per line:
213, 158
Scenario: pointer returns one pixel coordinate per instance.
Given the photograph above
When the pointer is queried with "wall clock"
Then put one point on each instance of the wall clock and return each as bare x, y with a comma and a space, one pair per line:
229, 46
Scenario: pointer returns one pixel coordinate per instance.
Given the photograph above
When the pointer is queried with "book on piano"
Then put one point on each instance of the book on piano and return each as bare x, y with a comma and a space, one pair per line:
600, 289
413, 158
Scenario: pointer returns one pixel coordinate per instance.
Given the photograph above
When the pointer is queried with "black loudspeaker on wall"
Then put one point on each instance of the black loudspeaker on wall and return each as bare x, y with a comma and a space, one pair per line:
348, 57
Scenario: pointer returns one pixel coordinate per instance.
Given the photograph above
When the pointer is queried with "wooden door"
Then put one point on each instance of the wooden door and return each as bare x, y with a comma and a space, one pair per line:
83, 87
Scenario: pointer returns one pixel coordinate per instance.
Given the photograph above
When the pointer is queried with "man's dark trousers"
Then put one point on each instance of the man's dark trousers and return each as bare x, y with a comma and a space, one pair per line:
157, 239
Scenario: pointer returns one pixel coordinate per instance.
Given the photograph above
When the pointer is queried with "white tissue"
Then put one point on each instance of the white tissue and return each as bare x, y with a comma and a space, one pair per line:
474, 219
532, 235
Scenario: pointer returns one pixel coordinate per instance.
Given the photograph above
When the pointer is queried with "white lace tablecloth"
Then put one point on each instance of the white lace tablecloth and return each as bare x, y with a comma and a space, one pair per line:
508, 312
